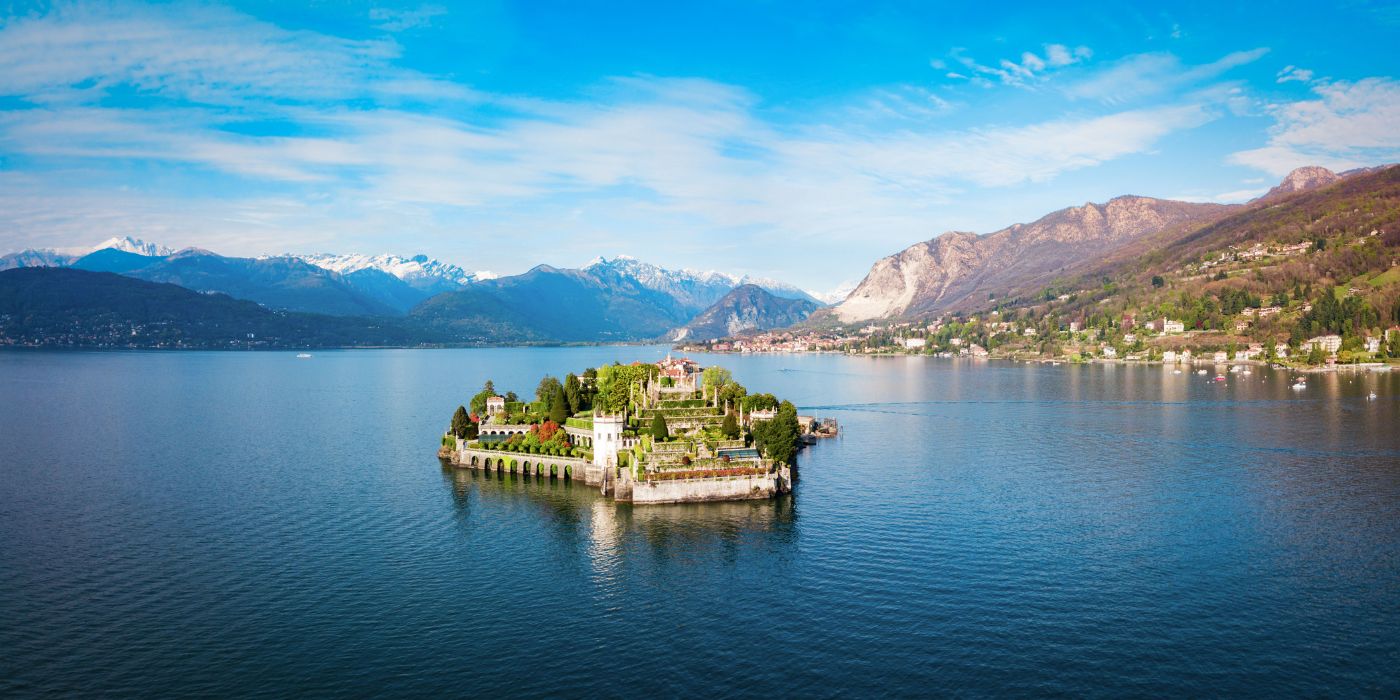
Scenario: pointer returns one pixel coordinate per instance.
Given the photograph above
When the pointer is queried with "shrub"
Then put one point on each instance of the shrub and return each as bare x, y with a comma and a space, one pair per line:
685, 460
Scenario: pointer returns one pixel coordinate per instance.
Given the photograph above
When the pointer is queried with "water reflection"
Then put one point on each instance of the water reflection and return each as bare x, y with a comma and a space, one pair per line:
578, 513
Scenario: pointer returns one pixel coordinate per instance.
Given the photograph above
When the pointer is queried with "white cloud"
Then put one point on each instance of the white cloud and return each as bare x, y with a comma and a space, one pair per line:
636, 157
1349, 124
396, 20
203, 54
1149, 74
1030, 69
1291, 73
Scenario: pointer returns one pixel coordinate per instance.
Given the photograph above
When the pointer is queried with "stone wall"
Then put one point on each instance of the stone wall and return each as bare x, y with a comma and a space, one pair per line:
490, 460
731, 488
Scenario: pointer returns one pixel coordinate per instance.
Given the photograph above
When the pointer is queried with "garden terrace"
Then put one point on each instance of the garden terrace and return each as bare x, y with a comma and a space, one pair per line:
695, 412
693, 473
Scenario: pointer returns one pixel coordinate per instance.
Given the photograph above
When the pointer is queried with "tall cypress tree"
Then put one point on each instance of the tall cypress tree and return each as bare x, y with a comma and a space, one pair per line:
460, 421
658, 428
558, 406
572, 393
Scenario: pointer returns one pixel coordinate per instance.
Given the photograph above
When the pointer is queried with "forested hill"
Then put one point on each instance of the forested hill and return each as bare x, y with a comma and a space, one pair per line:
77, 308
1320, 262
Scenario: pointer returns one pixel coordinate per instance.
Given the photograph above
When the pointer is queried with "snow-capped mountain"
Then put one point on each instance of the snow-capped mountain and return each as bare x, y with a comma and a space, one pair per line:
419, 271
134, 245
690, 287
839, 293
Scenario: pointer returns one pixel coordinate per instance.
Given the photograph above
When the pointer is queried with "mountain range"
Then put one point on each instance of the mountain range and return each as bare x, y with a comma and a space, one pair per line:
960, 271
624, 299
618, 299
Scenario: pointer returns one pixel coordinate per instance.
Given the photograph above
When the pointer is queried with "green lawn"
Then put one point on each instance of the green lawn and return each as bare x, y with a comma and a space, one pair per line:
1390, 276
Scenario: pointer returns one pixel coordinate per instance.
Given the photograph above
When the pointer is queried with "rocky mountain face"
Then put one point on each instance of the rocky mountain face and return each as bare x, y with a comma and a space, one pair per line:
960, 269
1302, 179
745, 308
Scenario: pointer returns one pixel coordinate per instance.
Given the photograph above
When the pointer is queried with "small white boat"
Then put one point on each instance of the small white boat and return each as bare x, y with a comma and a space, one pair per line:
1176, 371
1235, 369
1300, 384
1246, 371
1201, 371
303, 356
1371, 396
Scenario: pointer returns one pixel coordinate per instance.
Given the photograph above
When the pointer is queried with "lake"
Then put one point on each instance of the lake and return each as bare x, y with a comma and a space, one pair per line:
251, 524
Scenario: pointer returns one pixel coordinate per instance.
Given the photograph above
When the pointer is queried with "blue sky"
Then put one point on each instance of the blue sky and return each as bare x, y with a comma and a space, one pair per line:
800, 141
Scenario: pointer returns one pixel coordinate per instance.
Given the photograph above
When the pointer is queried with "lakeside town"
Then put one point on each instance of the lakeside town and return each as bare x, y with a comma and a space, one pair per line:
669, 432
1163, 340
1241, 303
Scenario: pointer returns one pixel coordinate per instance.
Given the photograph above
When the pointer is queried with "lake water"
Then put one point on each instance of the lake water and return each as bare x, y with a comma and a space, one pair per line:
245, 524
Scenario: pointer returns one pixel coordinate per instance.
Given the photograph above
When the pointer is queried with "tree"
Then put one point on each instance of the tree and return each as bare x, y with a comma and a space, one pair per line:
545, 391
1157, 281
478, 402
460, 421
572, 393
658, 428
778, 439
1317, 355
715, 377
558, 405
511, 397
730, 426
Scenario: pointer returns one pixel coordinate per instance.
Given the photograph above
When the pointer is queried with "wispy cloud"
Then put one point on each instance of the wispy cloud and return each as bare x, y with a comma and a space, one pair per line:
1347, 125
1152, 74
399, 20
265, 139
1027, 70
1291, 73
203, 54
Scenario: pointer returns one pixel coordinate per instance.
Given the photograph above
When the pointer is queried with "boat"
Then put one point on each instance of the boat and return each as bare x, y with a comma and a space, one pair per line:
1201, 371
1371, 396
1300, 384
1219, 377
1235, 369
1176, 371
303, 356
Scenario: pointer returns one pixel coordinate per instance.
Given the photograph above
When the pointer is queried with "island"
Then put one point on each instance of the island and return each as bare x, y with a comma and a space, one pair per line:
668, 432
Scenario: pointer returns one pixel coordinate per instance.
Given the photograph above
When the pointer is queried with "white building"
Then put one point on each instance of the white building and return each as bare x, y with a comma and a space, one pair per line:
914, 343
1109, 351
1170, 326
1169, 356
495, 404
1328, 343
1373, 344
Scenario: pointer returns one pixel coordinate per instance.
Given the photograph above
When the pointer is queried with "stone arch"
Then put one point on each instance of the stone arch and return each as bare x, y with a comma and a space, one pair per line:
473, 460
553, 470
568, 472
527, 467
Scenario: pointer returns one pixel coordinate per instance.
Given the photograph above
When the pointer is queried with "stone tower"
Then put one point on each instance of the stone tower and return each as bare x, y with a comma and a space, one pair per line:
607, 439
